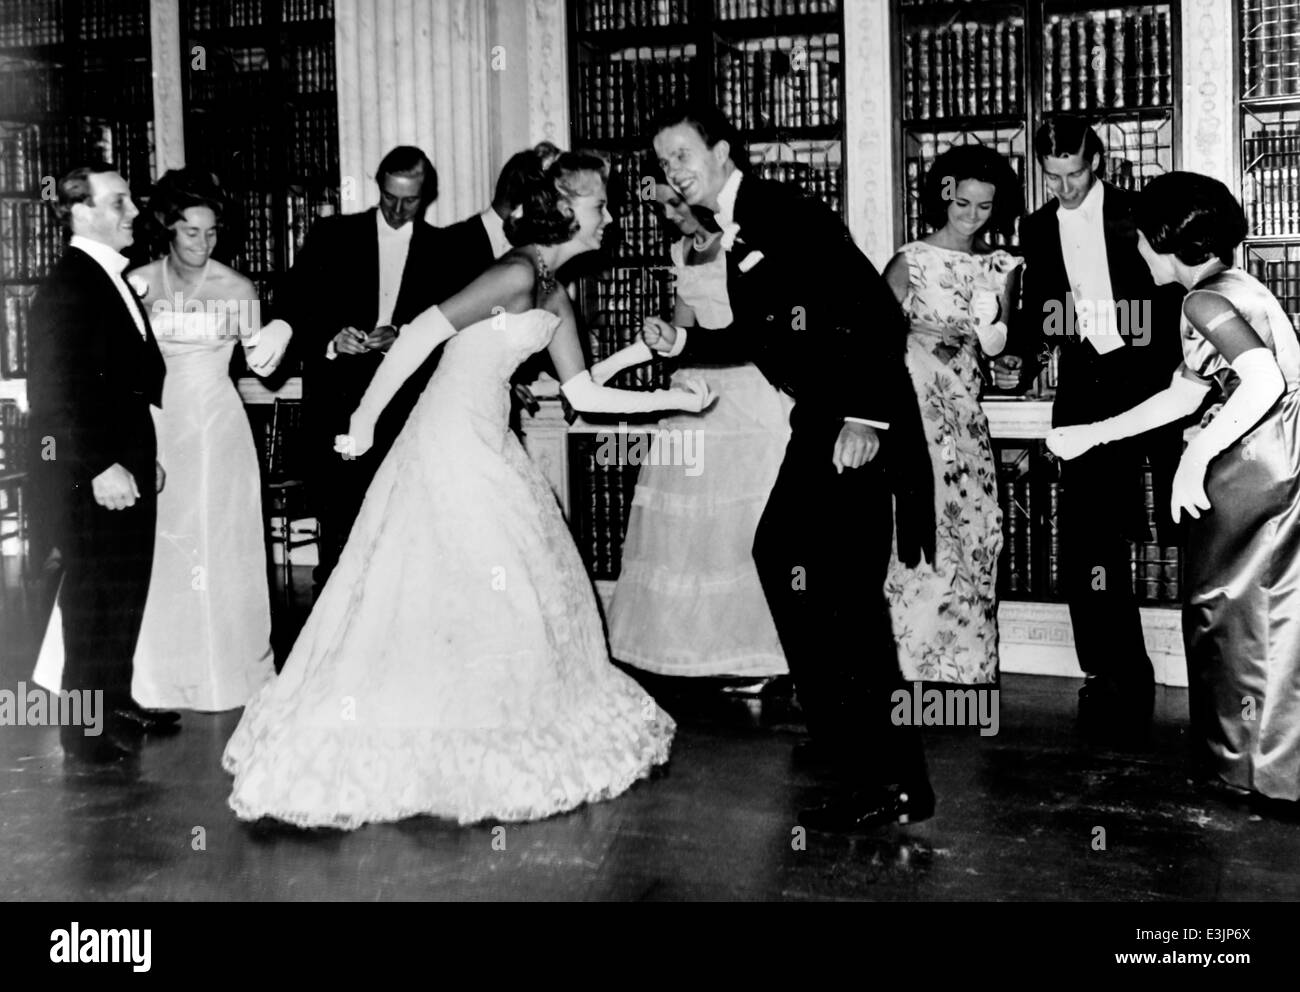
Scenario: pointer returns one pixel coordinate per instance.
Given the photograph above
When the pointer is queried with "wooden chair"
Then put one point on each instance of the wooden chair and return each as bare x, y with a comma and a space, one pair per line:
285, 493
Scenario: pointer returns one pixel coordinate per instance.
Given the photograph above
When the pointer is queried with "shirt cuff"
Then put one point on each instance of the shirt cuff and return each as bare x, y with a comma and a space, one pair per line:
869, 423
331, 352
678, 344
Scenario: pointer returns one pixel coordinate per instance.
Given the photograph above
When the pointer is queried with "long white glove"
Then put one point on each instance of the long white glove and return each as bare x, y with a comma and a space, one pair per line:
586, 397
415, 342
625, 358
264, 350
1261, 384
1179, 399
992, 332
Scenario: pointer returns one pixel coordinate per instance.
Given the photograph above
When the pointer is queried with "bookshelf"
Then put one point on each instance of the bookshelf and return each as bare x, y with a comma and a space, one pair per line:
774, 68
75, 84
1268, 115
262, 113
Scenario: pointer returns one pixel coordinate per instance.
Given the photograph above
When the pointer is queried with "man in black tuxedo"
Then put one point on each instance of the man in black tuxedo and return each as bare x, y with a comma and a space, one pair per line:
1087, 291
95, 371
814, 315
358, 278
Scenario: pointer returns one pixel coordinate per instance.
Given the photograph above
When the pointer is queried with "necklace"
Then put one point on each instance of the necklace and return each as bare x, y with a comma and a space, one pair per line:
167, 283
545, 281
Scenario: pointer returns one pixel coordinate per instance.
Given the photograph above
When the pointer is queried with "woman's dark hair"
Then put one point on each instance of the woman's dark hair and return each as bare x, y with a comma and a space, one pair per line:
179, 190
1064, 136
984, 165
1192, 217
710, 124
545, 214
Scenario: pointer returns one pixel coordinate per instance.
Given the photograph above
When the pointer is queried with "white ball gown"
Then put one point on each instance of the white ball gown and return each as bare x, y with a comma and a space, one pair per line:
455, 663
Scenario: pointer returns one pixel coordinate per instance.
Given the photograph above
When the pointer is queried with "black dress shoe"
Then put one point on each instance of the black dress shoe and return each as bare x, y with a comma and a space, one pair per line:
861, 812
865, 811
141, 721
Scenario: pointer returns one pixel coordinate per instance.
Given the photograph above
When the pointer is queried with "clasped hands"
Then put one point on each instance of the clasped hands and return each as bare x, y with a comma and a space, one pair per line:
351, 341
1188, 493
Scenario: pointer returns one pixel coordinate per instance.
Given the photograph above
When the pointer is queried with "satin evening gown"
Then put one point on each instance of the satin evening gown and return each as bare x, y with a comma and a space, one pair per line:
455, 663
1241, 612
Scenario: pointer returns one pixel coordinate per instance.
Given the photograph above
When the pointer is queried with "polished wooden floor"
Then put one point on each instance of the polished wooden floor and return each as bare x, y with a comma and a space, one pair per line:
1017, 820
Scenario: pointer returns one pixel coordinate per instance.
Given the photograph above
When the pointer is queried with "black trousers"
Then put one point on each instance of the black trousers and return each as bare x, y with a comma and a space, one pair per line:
822, 551
1100, 503
107, 560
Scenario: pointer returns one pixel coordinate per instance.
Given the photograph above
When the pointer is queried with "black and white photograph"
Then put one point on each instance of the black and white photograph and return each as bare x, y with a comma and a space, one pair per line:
696, 451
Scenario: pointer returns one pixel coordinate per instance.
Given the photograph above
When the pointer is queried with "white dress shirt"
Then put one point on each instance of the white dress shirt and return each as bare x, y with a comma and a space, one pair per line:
114, 264
1083, 246
496, 232
394, 246
724, 216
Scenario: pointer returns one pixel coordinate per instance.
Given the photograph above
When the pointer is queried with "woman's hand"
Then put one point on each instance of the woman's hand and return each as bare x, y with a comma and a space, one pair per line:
359, 439
1189, 489
1070, 442
984, 307
703, 396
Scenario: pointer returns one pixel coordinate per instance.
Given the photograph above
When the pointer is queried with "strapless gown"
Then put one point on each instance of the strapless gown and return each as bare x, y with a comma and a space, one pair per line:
455, 663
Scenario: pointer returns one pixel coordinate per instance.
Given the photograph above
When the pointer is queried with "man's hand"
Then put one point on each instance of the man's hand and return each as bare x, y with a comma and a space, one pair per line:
381, 338
159, 476
658, 335
350, 341
1006, 371
856, 445
115, 488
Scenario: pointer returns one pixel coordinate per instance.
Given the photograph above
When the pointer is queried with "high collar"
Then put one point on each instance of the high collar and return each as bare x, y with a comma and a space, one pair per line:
727, 198
110, 260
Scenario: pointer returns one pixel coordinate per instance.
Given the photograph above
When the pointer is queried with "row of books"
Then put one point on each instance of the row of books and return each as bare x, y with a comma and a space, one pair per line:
17, 306
117, 86
32, 239
313, 145
1270, 47
256, 211
602, 510
617, 15
13, 435
621, 298
245, 154
783, 82
31, 22
28, 152
1109, 59
619, 97
206, 15
1270, 190
126, 144
815, 172
964, 70
30, 88
114, 19
312, 68
1281, 276
732, 10
302, 210
233, 74
297, 11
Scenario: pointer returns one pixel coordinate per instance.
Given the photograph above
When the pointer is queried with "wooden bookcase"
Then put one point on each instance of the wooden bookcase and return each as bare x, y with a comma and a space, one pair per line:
75, 85
773, 66
1268, 128
991, 72
261, 112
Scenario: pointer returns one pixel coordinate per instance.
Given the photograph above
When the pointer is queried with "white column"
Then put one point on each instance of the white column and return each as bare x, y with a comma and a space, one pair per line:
870, 189
415, 72
1209, 112
168, 109
548, 72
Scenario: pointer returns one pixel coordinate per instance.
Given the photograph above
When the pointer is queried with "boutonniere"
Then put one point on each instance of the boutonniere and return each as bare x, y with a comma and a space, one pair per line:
729, 234
750, 260
138, 286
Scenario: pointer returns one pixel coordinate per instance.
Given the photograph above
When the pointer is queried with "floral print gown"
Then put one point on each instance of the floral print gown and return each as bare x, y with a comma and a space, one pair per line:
945, 613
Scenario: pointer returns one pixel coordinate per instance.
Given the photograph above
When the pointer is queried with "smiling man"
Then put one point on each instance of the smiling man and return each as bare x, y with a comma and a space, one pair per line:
1083, 271
95, 372
821, 324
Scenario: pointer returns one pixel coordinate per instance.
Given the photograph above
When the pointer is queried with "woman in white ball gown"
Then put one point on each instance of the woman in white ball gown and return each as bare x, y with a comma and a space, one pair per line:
454, 664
